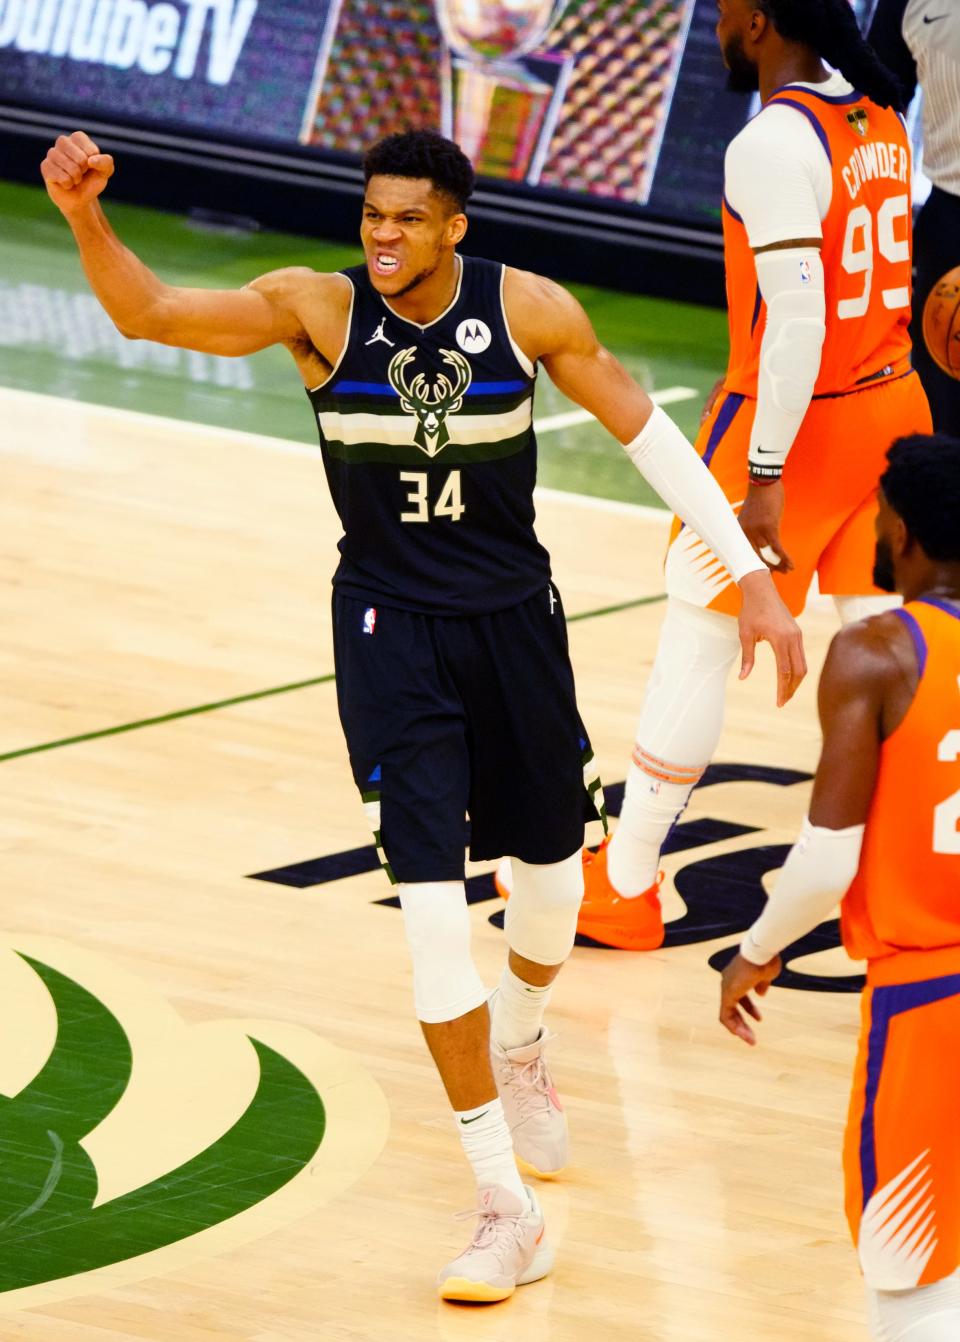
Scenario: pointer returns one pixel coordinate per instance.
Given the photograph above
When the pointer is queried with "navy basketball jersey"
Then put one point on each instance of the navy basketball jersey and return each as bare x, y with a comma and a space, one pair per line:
428, 443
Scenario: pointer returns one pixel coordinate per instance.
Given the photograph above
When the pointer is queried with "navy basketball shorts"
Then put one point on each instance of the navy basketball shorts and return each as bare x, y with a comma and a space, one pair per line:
447, 716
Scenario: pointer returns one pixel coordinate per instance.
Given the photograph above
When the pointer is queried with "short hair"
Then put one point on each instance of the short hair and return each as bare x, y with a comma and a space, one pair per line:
922, 486
830, 27
423, 154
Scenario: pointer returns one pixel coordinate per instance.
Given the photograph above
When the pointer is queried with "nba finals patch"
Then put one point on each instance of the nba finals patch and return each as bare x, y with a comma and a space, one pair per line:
859, 121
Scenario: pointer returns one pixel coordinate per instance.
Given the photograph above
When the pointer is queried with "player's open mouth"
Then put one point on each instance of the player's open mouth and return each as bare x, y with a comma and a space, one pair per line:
385, 264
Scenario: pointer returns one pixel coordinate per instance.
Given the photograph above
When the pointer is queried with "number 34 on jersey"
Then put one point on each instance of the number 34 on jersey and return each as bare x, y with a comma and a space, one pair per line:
420, 506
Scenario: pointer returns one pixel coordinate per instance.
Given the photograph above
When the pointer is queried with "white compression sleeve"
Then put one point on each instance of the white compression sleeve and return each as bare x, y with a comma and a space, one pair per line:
541, 918
924, 1314
815, 876
446, 984
670, 465
792, 284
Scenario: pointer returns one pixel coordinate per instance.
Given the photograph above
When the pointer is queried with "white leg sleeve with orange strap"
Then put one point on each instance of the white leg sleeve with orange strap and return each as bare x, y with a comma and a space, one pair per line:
680, 725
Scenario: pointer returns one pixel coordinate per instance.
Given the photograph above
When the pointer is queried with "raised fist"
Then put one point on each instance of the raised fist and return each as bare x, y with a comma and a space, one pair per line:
75, 172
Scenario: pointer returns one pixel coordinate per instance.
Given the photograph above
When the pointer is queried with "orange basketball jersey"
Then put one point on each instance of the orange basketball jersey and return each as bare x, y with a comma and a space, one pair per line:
866, 249
906, 894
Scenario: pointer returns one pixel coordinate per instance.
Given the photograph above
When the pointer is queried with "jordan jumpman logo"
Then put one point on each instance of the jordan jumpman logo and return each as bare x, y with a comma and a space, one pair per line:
379, 335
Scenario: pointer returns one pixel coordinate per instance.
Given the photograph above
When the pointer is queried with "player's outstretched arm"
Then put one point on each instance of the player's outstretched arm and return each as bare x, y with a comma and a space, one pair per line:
861, 673
138, 302
551, 326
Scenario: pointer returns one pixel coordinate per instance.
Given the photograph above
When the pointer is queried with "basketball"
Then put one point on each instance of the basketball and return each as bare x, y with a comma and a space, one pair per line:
941, 322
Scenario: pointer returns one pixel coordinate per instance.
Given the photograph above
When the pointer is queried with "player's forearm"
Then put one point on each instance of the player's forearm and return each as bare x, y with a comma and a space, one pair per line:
668, 462
129, 292
815, 877
792, 284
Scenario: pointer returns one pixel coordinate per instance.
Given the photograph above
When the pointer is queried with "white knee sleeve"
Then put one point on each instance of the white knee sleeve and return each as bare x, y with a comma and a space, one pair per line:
925, 1314
682, 714
445, 979
853, 608
541, 917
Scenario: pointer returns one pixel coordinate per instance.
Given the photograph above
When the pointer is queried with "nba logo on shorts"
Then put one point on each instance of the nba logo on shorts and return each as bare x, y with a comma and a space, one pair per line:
369, 619
805, 275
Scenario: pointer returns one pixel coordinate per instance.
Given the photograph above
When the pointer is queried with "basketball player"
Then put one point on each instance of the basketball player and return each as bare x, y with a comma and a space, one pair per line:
884, 815
816, 218
920, 41
453, 678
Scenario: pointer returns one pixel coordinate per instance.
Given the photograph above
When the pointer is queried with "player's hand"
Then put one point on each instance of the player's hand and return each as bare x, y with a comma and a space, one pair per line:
764, 618
75, 172
738, 980
760, 519
711, 400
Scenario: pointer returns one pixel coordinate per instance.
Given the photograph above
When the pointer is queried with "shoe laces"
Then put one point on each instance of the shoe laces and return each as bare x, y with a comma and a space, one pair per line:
530, 1085
496, 1232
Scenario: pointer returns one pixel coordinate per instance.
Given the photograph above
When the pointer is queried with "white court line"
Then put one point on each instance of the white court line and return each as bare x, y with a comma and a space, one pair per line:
286, 447
571, 418
601, 505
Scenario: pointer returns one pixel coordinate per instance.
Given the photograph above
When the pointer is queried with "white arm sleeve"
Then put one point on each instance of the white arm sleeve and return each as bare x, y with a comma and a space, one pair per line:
779, 181
792, 284
670, 465
814, 878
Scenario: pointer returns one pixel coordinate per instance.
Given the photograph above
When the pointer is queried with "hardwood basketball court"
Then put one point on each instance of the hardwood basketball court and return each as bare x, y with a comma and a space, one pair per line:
169, 731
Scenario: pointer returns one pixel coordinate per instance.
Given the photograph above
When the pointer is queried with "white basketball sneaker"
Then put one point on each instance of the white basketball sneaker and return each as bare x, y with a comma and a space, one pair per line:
508, 1249
531, 1106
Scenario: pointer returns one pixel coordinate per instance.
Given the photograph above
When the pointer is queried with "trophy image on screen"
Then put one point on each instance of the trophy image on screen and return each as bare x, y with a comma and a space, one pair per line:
502, 102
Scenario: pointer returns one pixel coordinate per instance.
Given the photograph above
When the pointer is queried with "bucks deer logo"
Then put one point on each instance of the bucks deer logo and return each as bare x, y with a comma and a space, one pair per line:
431, 402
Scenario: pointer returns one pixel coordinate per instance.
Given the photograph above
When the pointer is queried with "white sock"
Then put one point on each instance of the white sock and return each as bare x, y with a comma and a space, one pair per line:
649, 809
517, 1008
488, 1146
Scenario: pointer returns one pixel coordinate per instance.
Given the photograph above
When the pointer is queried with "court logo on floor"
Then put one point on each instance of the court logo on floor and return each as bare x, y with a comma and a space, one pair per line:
722, 891
132, 1143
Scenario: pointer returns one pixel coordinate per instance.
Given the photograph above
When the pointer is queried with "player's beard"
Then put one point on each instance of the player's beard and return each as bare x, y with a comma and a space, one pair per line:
418, 279
883, 574
742, 77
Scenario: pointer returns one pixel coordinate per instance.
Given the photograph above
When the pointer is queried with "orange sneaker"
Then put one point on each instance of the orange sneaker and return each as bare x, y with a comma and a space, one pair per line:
626, 924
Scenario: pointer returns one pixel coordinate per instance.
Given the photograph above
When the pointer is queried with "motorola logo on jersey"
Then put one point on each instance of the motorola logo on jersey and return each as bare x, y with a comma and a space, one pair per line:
474, 336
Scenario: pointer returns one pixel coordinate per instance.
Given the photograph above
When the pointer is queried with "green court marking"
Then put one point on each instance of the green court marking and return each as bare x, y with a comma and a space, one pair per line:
49, 1227
165, 717
612, 610
262, 694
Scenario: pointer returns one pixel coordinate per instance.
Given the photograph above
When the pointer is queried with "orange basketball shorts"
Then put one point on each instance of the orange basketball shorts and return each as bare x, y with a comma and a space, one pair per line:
902, 1147
830, 484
